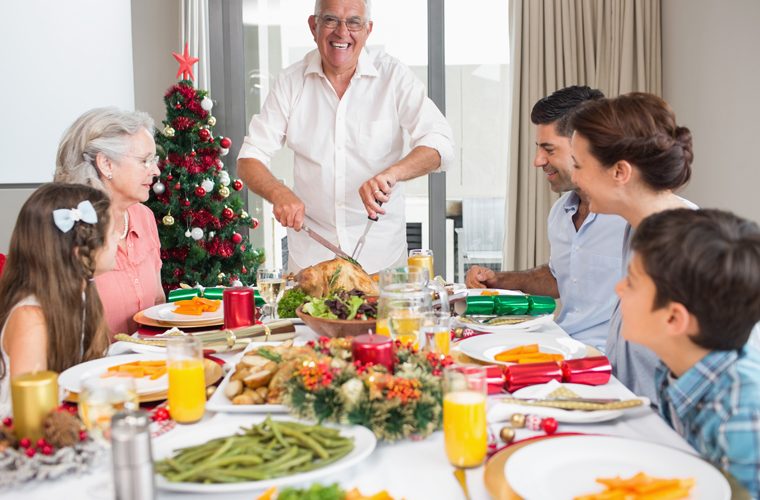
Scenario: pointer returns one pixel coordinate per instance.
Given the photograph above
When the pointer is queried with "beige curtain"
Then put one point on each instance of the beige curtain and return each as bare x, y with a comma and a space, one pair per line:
194, 31
613, 45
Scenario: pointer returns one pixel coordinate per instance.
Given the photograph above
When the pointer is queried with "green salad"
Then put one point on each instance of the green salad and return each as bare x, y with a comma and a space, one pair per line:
290, 301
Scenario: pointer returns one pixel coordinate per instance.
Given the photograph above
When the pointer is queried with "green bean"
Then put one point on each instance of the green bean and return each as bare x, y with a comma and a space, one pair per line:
253, 460
306, 440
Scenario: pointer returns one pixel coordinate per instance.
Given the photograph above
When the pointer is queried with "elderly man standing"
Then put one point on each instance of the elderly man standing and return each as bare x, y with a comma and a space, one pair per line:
344, 112
586, 248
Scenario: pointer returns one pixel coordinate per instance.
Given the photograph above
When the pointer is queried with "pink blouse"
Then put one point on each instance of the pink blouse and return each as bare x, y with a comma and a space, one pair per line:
133, 284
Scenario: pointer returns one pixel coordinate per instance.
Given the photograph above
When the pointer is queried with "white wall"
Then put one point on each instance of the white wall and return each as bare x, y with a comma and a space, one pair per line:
58, 59
711, 78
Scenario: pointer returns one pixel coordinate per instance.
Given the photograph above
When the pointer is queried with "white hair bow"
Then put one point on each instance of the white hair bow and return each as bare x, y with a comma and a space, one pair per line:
65, 218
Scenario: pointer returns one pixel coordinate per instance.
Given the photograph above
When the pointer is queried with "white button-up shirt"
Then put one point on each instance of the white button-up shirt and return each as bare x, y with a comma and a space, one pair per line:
586, 264
341, 143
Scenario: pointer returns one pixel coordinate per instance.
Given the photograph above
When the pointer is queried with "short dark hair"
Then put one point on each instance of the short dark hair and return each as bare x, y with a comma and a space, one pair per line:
641, 129
557, 107
709, 261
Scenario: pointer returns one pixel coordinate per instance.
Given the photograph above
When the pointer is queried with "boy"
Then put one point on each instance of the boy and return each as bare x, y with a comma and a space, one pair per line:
692, 295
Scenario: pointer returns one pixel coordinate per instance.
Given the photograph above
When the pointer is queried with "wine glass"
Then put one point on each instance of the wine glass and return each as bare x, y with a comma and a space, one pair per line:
271, 285
406, 317
100, 398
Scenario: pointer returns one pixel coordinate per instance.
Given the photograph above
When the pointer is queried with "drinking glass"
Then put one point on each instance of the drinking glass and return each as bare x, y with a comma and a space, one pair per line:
271, 285
406, 316
100, 398
187, 381
465, 432
422, 257
437, 329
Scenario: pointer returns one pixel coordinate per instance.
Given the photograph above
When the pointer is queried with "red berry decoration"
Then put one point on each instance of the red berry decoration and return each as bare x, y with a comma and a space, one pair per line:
236, 238
255, 222
225, 142
30, 452
200, 192
160, 415
47, 450
204, 134
8, 422
41, 443
25, 442
83, 435
549, 425
237, 185
227, 213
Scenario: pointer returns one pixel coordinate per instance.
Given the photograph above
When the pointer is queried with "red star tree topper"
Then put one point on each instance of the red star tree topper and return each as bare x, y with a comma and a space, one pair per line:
202, 224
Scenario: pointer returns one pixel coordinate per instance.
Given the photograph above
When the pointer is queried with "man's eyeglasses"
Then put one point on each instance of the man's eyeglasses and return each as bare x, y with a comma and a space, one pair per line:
148, 163
355, 23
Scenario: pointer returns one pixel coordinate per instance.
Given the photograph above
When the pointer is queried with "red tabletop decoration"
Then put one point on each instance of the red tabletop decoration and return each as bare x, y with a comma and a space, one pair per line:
239, 307
375, 349
591, 371
519, 376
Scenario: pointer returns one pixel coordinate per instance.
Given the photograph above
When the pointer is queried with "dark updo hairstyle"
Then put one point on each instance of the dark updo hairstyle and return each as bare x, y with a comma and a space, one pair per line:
641, 129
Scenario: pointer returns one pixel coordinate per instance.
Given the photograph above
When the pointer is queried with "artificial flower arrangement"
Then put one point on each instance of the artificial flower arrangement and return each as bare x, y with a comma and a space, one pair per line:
399, 405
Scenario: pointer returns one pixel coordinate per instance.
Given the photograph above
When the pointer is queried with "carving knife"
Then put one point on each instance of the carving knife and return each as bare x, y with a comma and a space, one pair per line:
322, 241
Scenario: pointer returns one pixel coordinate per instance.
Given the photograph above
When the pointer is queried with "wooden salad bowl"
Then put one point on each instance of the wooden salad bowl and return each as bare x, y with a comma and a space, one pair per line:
336, 327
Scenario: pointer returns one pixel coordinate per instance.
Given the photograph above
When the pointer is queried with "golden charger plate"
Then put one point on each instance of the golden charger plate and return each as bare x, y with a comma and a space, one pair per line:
212, 371
493, 475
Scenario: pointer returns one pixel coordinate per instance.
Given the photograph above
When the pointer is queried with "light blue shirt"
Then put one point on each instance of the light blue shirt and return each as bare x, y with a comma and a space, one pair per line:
586, 264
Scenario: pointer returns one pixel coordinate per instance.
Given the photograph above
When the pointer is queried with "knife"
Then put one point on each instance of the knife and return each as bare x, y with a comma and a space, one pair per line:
360, 244
322, 241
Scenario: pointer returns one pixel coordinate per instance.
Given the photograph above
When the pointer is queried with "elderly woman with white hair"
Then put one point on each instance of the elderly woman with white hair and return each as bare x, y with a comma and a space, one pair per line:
114, 150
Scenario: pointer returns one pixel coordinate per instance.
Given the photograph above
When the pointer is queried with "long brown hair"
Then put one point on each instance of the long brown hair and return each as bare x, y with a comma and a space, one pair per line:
640, 129
54, 267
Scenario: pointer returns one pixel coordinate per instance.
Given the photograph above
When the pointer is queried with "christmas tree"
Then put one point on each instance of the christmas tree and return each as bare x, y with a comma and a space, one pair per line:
202, 225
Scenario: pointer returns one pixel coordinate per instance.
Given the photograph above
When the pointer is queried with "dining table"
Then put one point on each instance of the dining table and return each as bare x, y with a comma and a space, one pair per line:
410, 469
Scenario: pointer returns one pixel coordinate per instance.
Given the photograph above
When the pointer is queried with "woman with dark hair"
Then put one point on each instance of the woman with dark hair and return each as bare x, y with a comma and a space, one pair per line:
630, 156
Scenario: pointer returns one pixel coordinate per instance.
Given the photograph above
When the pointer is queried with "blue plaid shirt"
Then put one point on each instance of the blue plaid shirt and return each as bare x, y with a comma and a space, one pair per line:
715, 405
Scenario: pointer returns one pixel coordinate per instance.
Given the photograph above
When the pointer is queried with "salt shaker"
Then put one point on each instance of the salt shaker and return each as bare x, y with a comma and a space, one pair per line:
132, 457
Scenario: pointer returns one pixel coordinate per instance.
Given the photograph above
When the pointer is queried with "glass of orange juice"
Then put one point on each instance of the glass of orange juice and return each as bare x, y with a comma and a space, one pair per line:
422, 257
437, 328
187, 382
465, 432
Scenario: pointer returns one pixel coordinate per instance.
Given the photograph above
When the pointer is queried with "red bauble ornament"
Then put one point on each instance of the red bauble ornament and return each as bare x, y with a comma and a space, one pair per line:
255, 222
82, 435
549, 425
200, 192
225, 142
237, 238
193, 153
8, 422
41, 443
242, 248
244, 270
47, 450
170, 177
177, 186
227, 213
186, 203
237, 185
204, 134
25, 443
178, 106
30, 452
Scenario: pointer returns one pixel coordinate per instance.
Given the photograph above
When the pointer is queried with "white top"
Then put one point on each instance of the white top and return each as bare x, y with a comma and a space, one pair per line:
5, 385
586, 264
341, 143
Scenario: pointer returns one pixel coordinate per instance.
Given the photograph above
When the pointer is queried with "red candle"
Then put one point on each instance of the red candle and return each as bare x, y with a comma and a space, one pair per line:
590, 371
375, 349
238, 307
519, 376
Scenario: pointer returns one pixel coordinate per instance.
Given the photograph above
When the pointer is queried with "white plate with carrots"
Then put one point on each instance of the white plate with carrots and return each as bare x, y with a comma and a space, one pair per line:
522, 347
148, 370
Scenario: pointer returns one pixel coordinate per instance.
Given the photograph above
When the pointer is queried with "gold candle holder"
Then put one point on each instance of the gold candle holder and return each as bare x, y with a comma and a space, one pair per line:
34, 396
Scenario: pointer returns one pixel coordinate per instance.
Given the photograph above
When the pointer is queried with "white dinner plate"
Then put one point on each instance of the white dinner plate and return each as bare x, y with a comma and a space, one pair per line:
486, 347
557, 469
529, 325
165, 312
502, 411
226, 425
70, 379
219, 401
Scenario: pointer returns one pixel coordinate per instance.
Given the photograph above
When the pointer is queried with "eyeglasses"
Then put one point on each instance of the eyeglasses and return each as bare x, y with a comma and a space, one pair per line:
148, 163
355, 23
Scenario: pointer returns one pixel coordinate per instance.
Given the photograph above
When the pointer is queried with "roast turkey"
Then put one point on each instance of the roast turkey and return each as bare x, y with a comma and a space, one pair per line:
315, 280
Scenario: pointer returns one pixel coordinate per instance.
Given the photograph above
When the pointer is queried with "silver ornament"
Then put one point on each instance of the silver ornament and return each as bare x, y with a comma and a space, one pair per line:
237, 283
211, 234
208, 185
196, 233
187, 233
224, 178
207, 103
159, 187
224, 151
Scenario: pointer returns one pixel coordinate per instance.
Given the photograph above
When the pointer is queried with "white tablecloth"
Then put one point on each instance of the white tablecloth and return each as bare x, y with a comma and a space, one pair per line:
409, 469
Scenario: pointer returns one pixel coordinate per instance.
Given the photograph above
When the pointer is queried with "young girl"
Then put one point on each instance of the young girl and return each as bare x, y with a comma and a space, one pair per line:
50, 312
